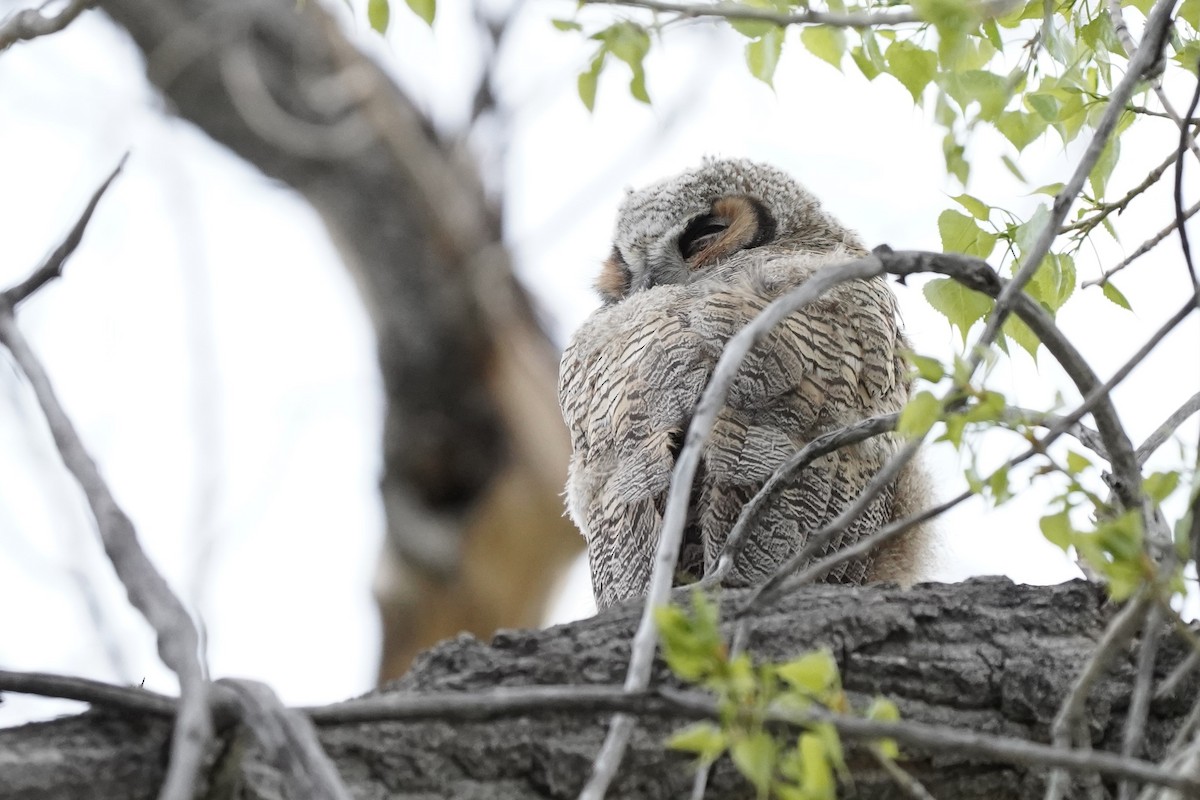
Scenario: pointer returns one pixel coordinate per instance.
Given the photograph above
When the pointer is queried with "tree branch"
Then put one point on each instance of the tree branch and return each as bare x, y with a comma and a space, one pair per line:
29, 24
148, 591
735, 11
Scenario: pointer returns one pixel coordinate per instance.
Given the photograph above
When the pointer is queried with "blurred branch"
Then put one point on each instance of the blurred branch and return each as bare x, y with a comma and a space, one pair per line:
29, 24
735, 11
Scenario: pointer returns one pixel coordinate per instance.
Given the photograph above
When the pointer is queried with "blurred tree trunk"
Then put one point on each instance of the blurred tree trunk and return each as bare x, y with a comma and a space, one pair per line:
474, 448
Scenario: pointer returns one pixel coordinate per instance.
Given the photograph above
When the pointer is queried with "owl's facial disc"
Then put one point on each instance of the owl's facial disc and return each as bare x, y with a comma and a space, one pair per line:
733, 223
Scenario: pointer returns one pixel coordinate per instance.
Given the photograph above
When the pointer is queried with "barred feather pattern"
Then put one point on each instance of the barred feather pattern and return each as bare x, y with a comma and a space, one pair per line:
632, 375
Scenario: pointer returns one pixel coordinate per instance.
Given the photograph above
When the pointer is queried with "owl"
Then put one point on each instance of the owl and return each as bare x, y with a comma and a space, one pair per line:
695, 258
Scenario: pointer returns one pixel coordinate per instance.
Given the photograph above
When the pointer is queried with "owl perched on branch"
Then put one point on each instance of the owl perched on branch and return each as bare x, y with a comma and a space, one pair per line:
696, 257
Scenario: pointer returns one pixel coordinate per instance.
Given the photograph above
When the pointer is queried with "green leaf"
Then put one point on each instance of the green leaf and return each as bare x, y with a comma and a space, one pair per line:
1057, 529
1051, 189
918, 415
1013, 168
961, 234
1016, 329
955, 155
1160, 485
1028, 232
883, 710
963, 307
566, 25
818, 782
753, 28
1104, 166
911, 65
929, 369
1114, 294
1019, 128
1189, 12
1077, 463
1045, 105
762, 55
379, 13
1053, 282
588, 79
989, 90
814, 674
705, 739
754, 756
825, 42
629, 42
425, 9
979, 209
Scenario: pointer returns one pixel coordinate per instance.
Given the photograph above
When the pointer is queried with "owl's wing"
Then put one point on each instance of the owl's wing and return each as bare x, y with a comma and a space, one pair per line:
832, 363
628, 384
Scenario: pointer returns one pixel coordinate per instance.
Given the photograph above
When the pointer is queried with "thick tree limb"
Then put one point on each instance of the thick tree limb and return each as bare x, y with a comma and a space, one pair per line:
975, 668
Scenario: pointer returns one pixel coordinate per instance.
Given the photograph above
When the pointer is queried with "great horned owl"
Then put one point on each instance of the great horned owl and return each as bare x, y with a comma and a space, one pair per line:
695, 258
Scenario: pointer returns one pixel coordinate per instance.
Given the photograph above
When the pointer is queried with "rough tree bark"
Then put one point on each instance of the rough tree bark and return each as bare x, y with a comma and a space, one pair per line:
986, 656
474, 448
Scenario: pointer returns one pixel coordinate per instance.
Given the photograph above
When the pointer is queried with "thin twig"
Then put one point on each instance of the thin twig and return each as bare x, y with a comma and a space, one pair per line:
826, 443
1103, 210
1169, 426
288, 742
735, 11
1119, 631
29, 24
1143, 248
907, 783
52, 267
817, 541
1143, 686
1184, 244
86, 690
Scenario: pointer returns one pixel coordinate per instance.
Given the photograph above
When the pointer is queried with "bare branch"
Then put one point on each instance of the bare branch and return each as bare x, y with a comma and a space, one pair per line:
817, 541
735, 11
52, 267
1144, 247
86, 690
827, 443
1169, 426
289, 742
29, 24
148, 591
1139, 703
907, 783
1120, 630
1103, 210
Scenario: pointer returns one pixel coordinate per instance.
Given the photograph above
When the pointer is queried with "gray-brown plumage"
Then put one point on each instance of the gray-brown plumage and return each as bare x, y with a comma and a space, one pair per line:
695, 258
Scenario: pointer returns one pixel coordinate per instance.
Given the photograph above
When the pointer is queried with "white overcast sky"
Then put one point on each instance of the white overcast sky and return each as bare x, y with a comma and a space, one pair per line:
218, 363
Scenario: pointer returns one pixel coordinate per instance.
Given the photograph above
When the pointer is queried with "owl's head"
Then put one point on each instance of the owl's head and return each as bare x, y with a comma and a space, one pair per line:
680, 228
